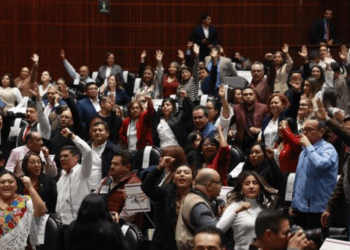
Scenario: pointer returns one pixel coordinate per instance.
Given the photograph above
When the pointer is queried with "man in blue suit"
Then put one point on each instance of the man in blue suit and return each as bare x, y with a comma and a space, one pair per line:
89, 106
205, 36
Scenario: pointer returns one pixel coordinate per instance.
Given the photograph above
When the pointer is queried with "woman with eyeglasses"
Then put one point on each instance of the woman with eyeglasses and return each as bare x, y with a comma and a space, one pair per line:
248, 198
136, 130
169, 127
305, 111
32, 166
261, 160
214, 154
287, 148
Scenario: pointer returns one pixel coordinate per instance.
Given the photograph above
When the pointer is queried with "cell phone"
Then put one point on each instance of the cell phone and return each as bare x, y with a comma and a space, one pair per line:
2, 103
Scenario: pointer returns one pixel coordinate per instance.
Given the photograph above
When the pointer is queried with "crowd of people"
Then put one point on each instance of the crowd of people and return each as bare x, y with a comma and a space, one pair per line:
75, 148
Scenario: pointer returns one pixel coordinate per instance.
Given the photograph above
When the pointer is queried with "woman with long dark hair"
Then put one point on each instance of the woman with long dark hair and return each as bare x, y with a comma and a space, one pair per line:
283, 64
248, 198
115, 88
94, 227
261, 160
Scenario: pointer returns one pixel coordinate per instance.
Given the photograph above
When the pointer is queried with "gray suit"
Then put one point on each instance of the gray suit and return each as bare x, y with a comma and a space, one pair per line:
225, 67
116, 70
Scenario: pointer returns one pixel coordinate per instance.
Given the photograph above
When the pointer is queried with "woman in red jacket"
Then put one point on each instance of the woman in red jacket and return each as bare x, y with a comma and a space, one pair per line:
287, 148
136, 130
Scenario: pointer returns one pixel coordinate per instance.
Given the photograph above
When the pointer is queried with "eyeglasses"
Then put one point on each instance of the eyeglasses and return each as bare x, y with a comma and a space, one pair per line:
64, 156
65, 117
309, 130
209, 144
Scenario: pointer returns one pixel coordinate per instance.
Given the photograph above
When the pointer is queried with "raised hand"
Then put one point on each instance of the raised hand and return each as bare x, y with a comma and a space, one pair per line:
296, 85
62, 54
269, 153
196, 49
243, 207
35, 58
269, 57
65, 132
304, 141
285, 48
64, 91
214, 53
303, 52
180, 54
183, 93
26, 182
221, 91
321, 112
159, 55
165, 162
284, 124
343, 54
328, 59
143, 54
35, 91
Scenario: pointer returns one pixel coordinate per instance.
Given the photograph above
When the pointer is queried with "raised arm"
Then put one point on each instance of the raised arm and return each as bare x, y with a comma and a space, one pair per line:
34, 72
159, 76
142, 63
85, 149
272, 71
304, 55
38, 204
71, 71
44, 122
289, 60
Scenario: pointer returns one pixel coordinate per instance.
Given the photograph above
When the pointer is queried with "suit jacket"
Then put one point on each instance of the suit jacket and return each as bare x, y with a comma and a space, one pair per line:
198, 36
225, 67
260, 110
343, 133
143, 127
87, 112
318, 31
116, 70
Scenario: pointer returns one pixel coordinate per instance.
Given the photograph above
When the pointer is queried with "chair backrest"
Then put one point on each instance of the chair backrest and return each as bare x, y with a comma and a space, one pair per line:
236, 156
133, 236
52, 235
235, 81
146, 157
129, 83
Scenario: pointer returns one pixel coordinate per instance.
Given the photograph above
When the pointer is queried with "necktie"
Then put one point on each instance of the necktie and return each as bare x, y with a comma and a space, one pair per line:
327, 31
26, 132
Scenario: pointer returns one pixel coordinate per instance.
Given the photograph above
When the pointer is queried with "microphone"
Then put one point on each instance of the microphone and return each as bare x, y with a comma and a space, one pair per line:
144, 212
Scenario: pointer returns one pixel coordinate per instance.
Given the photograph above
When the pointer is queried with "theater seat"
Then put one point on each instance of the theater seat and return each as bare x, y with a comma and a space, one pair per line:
236, 156
52, 237
129, 79
146, 157
133, 236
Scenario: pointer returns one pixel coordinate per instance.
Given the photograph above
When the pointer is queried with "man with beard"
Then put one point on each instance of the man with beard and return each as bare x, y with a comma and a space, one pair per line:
248, 117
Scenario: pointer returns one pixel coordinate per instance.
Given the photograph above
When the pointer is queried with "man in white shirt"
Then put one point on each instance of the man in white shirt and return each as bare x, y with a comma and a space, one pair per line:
103, 151
74, 183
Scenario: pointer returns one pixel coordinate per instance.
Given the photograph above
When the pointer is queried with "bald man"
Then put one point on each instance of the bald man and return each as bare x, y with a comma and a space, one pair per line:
199, 207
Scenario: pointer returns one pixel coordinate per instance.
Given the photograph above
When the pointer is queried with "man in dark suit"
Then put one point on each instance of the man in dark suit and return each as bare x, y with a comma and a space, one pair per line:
248, 117
205, 36
89, 106
322, 31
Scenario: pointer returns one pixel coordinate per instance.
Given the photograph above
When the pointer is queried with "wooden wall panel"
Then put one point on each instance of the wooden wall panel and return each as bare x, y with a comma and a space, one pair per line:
252, 27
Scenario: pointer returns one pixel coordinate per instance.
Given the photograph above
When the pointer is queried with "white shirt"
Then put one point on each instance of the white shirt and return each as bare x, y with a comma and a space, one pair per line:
96, 105
108, 71
42, 91
271, 133
72, 187
206, 31
243, 223
166, 135
96, 174
132, 138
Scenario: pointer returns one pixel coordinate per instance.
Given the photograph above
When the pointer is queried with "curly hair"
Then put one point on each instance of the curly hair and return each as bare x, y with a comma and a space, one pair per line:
282, 98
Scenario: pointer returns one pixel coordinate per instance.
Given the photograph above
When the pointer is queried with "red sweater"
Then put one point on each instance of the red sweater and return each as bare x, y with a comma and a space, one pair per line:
143, 128
220, 163
289, 155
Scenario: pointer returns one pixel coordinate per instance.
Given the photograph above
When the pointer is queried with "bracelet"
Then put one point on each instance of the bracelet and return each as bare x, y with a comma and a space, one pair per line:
70, 135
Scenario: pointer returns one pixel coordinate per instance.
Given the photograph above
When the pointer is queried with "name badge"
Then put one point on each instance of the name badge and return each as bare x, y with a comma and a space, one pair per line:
104, 189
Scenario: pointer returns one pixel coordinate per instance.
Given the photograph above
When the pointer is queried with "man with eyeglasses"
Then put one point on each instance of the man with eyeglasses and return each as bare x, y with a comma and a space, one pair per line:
201, 122
262, 85
316, 175
199, 207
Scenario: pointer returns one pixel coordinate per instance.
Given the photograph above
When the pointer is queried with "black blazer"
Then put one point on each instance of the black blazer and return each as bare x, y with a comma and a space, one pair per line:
47, 191
198, 36
318, 31
177, 123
